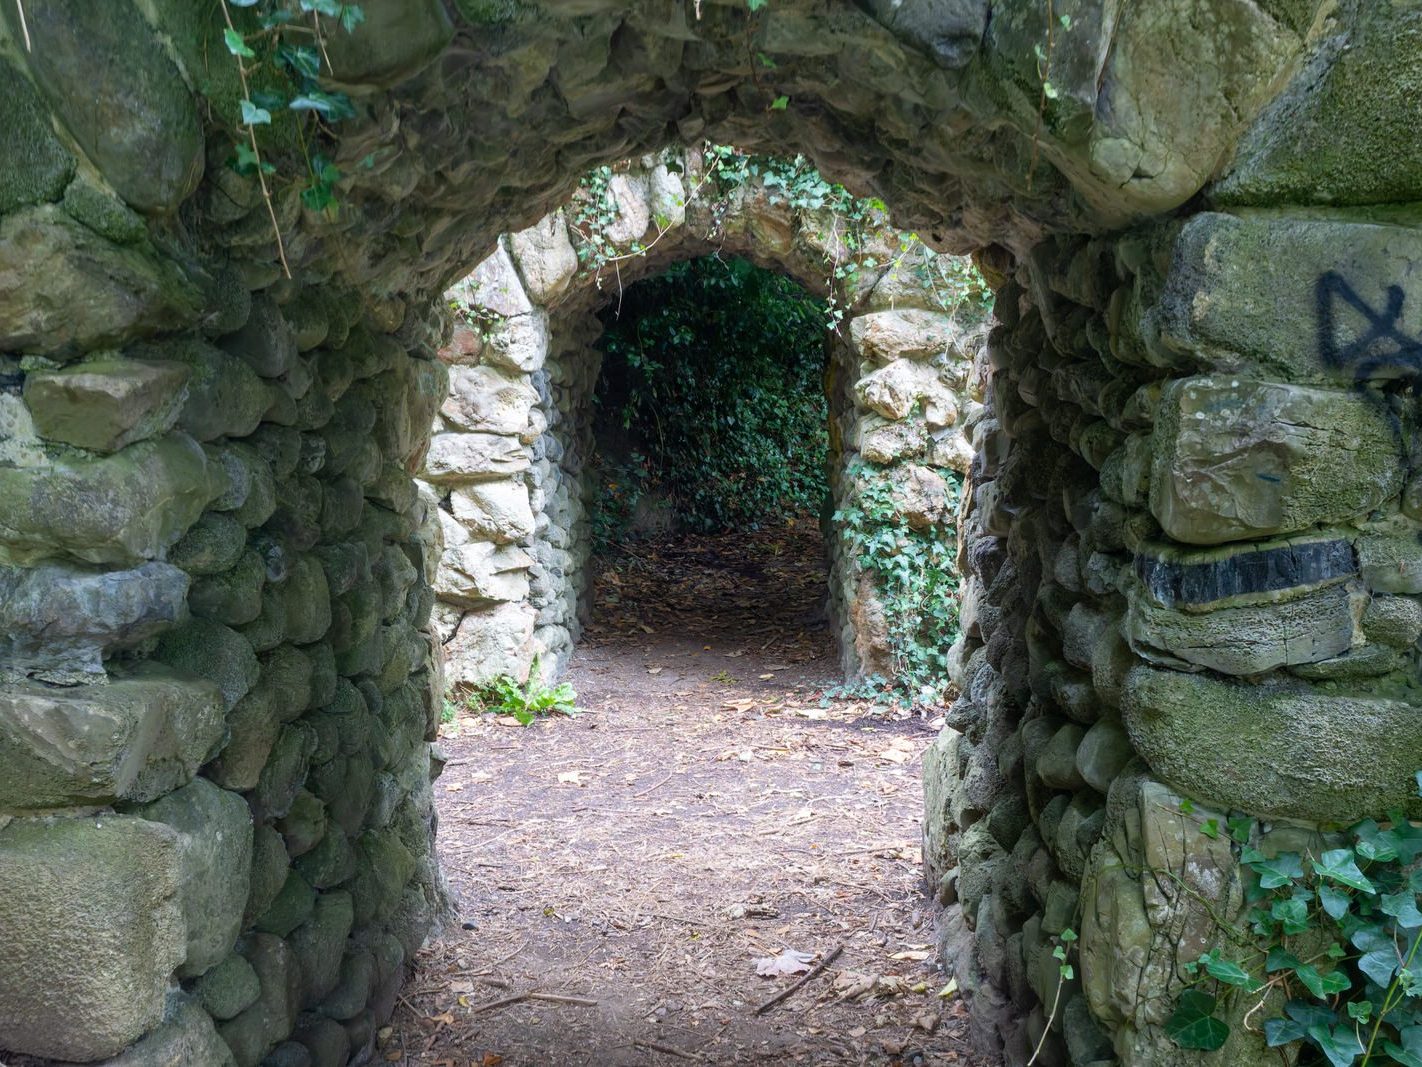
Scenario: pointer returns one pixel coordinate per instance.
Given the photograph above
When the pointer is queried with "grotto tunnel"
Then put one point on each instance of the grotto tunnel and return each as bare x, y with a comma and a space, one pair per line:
1188, 544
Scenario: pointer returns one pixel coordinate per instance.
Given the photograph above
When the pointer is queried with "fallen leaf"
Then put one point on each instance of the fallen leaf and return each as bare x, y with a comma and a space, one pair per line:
507, 720
790, 961
765, 677
571, 778
453, 787
916, 955
928, 1021
948, 990
654, 670
743, 705
481, 776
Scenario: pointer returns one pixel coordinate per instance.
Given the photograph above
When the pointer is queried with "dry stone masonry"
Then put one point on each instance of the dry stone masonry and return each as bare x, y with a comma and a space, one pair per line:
507, 470
1192, 536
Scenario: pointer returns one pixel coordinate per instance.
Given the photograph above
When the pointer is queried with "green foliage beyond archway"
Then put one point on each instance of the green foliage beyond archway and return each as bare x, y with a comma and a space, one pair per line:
711, 402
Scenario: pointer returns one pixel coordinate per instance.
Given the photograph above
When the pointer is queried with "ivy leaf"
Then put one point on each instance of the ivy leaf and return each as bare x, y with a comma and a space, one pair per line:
1282, 870
352, 15
329, 8
1410, 1052
303, 60
236, 45
1210, 828
243, 3
1283, 1031
756, 5
1228, 971
252, 115
1339, 1043
1379, 964
1403, 908
1335, 902
1194, 1025
1322, 986
1339, 866
1281, 960
1292, 914
780, 103
1240, 828
332, 105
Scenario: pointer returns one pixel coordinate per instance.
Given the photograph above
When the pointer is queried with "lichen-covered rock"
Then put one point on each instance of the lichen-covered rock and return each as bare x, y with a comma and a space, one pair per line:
208, 649
120, 509
185, 1037
134, 738
35, 167
1338, 134
1284, 740
92, 928
1294, 298
63, 620
229, 988
64, 289
257, 1029
224, 395
1238, 459
215, 854
1249, 639
103, 405
110, 81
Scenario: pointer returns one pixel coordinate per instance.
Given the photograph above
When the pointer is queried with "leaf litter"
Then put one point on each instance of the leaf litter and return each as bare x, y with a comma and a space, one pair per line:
700, 825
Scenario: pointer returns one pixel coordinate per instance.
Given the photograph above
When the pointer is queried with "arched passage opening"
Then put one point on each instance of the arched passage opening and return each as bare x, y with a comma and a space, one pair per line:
1193, 522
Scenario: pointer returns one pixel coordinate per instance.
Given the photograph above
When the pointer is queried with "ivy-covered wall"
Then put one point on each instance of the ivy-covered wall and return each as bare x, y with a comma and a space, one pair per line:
513, 507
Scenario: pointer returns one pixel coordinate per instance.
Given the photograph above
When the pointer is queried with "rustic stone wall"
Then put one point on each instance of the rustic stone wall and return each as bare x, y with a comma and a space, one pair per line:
508, 466
1192, 532
1193, 551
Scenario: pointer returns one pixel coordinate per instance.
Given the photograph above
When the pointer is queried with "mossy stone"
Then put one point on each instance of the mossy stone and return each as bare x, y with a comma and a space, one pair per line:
229, 988
291, 907
34, 167
107, 77
212, 545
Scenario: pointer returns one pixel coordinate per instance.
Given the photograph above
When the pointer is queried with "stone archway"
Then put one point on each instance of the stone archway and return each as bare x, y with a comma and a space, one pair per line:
1192, 537
506, 467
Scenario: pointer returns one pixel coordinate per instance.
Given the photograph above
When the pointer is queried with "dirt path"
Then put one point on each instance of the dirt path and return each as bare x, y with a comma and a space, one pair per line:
704, 813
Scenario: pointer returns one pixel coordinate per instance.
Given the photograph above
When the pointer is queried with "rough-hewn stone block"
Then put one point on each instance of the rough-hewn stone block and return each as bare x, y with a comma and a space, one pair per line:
92, 929
1287, 750
134, 738
1237, 459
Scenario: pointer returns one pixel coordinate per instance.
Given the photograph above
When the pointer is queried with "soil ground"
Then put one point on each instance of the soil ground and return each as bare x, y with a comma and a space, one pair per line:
619, 876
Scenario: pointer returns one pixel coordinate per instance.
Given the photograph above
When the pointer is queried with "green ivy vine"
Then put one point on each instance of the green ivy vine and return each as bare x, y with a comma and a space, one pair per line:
1337, 934
279, 47
916, 575
855, 245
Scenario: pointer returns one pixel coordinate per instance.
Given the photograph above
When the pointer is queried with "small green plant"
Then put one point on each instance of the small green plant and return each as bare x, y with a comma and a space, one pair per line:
915, 573
1337, 934
448, 712
526, 701
279, 48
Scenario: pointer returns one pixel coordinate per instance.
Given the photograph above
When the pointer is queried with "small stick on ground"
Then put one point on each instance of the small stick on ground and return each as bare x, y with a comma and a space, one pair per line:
654, 785
551, 998
670, 1050
813, 973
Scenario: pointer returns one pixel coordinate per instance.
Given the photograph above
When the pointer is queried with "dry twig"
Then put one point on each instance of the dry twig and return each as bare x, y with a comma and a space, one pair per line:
813, 973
